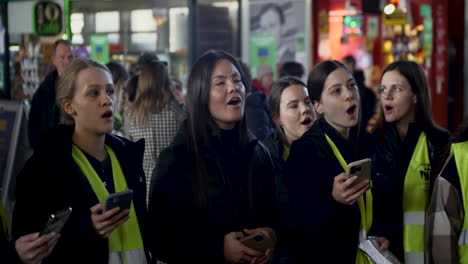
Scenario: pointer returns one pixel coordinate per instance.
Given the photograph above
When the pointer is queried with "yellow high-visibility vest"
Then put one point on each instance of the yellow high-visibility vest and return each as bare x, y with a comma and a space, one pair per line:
415, 200
460, 153
125, 242
364, 204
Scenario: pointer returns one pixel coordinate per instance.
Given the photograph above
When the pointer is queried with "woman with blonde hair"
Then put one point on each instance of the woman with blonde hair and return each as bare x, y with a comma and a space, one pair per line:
77, 165
155, 115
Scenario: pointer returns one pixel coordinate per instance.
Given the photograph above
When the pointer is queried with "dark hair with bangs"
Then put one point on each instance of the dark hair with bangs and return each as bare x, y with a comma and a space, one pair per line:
200, 122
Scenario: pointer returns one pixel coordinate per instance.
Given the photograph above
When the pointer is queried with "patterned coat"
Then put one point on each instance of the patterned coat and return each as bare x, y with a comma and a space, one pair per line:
158, 134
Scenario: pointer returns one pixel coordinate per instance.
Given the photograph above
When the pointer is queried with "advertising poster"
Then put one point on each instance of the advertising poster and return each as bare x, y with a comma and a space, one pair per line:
262, 51
279, 19
100, 48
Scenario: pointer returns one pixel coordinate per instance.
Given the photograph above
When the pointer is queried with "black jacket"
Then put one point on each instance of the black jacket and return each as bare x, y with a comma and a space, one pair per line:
44, 113
389, 165
326, 231
51, 181
257, 114
183, 232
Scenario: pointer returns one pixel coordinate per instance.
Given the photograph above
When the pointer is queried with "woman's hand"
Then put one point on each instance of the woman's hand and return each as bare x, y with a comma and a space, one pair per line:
384, 243
236, 252
269, 233
105, 223
33, 248
347, 190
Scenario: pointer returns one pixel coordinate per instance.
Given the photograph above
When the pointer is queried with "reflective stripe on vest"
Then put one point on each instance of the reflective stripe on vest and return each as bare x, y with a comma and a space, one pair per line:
415, 200
364, 204
125, 243
460, 153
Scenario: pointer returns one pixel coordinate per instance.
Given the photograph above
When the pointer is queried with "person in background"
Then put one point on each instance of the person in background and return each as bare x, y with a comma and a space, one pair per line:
216, 182
79, 164
44, 113
155, 115
129, 93
120, 77
293, 114
256, 108
179, 91
331, 209
368, 98
264, 80
292, 68
446, 224
409, 148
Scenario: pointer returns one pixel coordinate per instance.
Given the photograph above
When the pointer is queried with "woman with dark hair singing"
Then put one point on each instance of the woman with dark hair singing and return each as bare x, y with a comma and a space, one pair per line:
215, 182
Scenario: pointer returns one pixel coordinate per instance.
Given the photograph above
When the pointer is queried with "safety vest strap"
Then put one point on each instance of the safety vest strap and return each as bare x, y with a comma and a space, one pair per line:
127, 236
415, 200
364, 203
460, 153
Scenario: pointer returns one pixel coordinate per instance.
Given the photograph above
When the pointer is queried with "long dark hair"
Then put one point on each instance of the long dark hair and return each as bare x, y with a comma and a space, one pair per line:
416, 77
200, 122
275, 99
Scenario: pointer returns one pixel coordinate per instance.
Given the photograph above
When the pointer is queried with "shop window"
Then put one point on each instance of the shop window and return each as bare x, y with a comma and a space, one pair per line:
107, 21
77, 23
144, 41
142, 20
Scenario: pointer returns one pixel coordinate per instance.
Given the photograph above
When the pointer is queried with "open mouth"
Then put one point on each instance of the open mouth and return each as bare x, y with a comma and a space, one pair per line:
351, 110
107, 114
234, 101
388, 108
306, 121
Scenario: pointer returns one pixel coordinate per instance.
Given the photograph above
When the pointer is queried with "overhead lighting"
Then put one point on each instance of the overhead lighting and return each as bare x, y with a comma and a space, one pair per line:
389, 9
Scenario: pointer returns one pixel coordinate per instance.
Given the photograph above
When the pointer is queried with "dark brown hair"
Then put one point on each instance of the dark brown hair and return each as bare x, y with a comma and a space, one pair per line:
416, 77
200, 122
275, 98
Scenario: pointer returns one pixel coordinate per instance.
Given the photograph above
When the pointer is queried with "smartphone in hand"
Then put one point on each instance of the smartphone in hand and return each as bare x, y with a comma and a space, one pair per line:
257, 241
57, 221
122, 199
361, 168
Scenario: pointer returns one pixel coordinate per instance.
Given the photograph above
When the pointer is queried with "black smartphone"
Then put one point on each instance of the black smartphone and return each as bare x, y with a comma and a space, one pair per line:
122, 199
57, 221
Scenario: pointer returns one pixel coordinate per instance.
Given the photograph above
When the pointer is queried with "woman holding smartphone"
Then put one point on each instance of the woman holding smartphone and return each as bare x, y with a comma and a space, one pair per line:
408, 153
331, 209
77, 165
215, 182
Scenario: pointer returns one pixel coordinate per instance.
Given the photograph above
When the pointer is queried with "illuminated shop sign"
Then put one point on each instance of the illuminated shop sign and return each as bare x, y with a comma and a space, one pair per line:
352, 25
47, 18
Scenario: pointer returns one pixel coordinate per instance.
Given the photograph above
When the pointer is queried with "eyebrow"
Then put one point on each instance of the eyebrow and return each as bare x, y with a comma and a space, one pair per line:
224, 76
338, 84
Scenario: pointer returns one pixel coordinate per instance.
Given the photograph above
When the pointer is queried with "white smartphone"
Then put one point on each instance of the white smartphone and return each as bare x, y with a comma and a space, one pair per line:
122, 199
57, 221
361, 168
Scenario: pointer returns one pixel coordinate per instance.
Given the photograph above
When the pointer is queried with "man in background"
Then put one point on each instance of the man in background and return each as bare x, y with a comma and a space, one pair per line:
44, 113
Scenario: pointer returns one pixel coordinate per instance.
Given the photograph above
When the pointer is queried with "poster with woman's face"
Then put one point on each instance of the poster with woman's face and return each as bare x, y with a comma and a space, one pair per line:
285, 22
